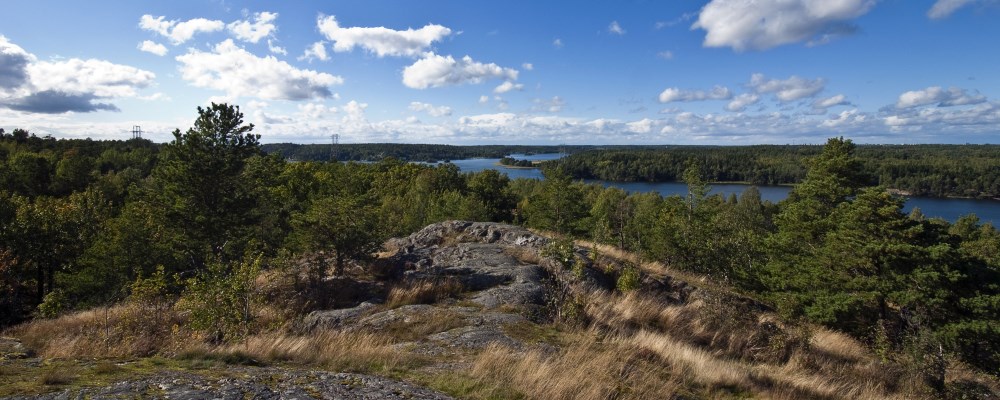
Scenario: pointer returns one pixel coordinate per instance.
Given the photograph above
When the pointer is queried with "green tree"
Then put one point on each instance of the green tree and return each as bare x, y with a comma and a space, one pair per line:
201, 186
345, 225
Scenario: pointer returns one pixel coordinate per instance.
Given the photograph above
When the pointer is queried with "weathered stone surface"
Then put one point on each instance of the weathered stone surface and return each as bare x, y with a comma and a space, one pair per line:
332, 319
12, 349
249, 383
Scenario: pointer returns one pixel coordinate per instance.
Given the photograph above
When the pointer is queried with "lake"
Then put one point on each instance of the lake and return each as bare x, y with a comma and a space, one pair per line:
949, 209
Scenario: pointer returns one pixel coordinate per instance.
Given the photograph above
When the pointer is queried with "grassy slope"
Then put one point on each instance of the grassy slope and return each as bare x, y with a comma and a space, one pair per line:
717, 344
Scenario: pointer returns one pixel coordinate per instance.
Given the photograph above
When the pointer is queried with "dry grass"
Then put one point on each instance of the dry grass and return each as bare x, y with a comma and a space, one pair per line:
423, 292
653, 268
339, 351
791, 380
118, 331
524, 254
586, 370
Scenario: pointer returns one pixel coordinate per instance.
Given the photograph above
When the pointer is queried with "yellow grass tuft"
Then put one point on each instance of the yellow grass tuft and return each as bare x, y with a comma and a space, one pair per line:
586, 370
423, 292
339, 351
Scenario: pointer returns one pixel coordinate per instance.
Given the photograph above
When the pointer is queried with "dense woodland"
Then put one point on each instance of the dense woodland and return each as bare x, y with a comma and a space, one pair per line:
86, 223
921, 170
405, 152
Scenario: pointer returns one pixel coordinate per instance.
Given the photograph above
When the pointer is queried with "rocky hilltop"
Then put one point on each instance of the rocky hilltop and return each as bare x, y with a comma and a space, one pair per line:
493, 310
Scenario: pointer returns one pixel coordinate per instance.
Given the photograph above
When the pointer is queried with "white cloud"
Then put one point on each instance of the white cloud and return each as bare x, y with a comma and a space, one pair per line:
791, 89
315, 51
239, 73
528, 66
616, 29
261, 27
833, 101
150, 46
484, 99
316, 110
980, 118
53, 87
666, 55
846, 118
507, 86
380, 40
674, 94
274, 48
97, 77
942, 97
13, 65
644, 125
763, 24
553, 105
430, 109
944, 8
741, 102
436, 71
178, 32
557, 43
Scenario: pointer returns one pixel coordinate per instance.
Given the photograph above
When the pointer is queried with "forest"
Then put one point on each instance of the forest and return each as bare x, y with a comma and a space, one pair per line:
405, 152
90, 223
919, 170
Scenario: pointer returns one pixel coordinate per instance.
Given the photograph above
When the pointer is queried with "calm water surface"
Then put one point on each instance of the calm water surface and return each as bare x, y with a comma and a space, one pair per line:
949, 209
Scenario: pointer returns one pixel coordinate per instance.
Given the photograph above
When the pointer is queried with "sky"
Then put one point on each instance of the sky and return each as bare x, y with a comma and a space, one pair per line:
723, 72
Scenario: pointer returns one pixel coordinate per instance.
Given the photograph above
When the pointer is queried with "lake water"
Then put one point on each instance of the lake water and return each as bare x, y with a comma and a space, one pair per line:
949, 209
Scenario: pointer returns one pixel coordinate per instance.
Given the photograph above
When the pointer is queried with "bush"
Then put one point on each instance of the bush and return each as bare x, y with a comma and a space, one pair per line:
223, 301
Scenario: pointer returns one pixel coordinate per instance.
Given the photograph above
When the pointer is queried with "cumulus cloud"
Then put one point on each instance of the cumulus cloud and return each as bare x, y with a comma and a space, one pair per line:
315, 51
176, 31
741, 102
150, 46
980, 118
674, 94
13, 65
55, 102
944, 8
666, 55
316, 110
936, 95
72, 85
528, 66
557, 43
484, 99
833, 101
616, 29
507, 86
274, 48
381, 41
430, 109
553, 105
763, 24
435, 71
791, 89
261, 27
97, 77
239, 73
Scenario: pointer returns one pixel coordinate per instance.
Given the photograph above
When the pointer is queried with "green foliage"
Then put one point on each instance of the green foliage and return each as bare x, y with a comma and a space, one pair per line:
201, 188
346, 225
562, 250
923, 170
52, 305
223, 299
629, 278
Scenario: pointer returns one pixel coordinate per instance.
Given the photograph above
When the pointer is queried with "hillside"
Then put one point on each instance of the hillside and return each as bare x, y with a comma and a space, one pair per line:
471, 310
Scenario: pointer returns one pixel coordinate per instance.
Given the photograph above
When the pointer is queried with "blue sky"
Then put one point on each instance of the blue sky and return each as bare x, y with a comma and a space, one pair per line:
517, 72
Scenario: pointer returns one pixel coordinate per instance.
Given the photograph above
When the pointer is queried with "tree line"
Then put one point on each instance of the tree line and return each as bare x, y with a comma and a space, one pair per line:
91, 223
406, 152
919, 170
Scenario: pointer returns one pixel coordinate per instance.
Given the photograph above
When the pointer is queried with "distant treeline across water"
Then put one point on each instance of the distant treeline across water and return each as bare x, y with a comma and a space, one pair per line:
935, 170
